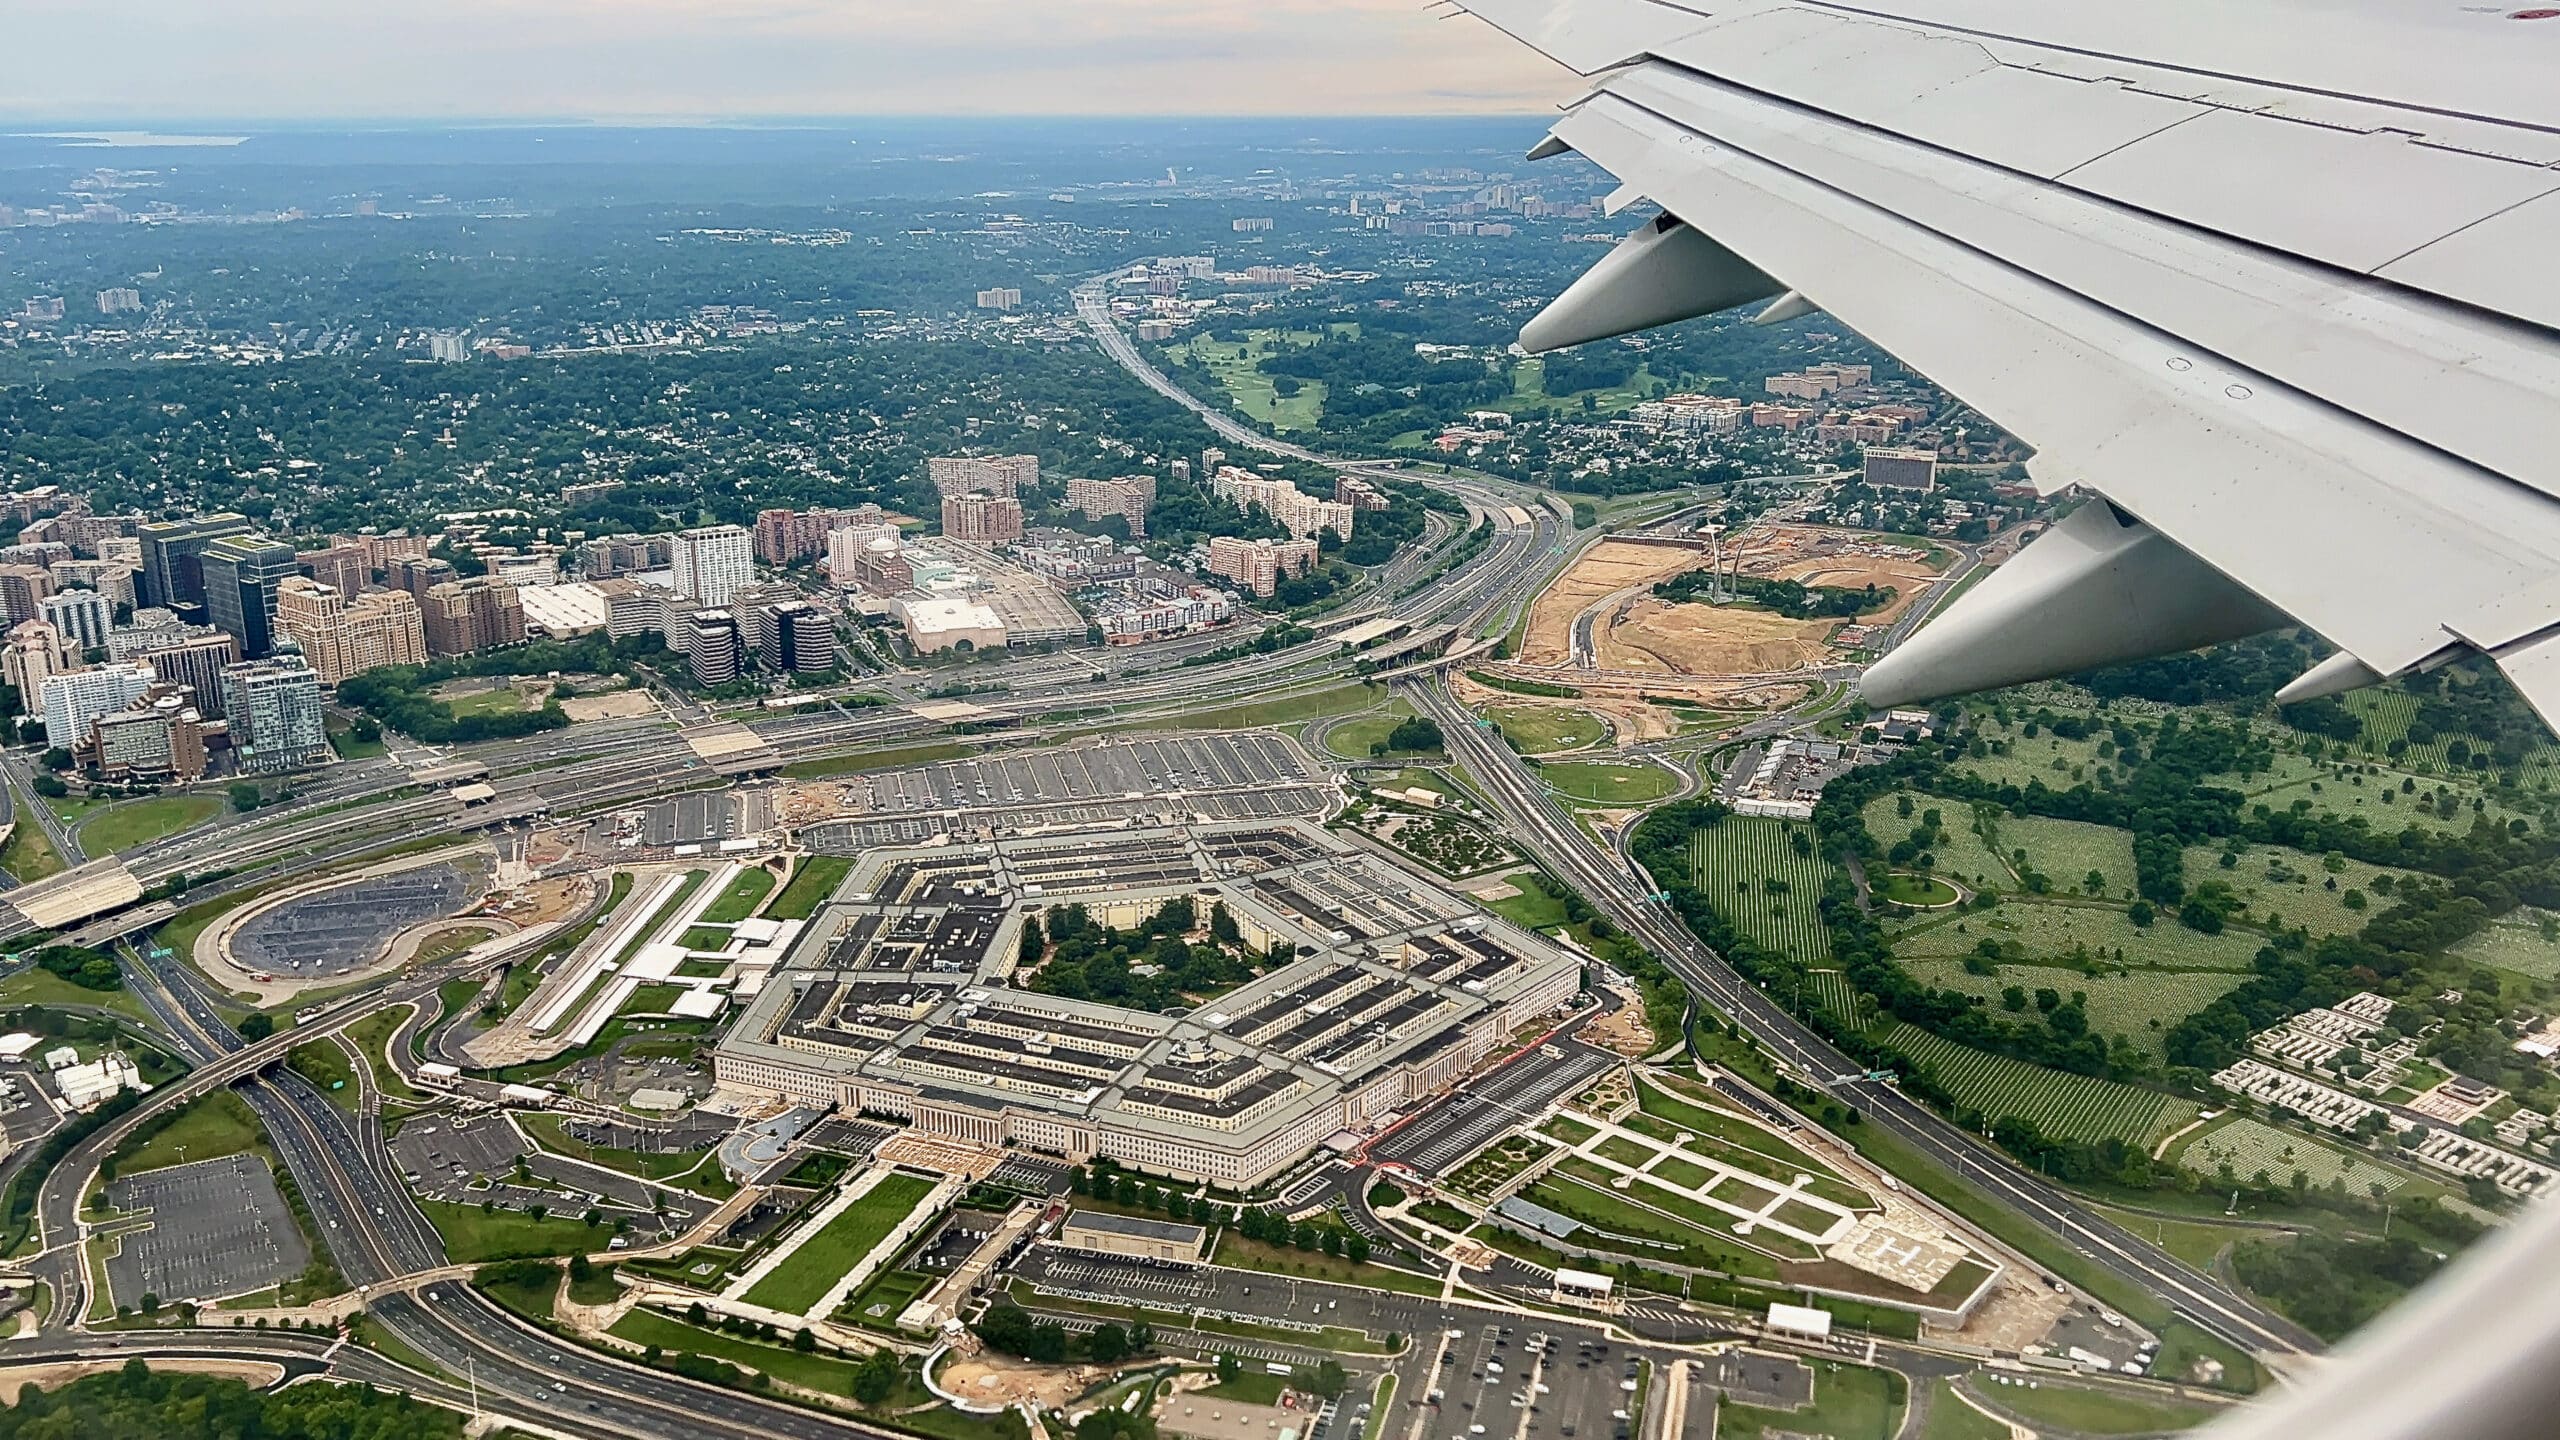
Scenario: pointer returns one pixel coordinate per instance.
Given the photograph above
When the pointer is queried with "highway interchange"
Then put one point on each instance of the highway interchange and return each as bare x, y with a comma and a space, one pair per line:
375, 1233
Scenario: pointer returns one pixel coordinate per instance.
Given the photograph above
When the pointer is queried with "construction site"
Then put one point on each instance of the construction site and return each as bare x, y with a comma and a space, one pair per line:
1601, 623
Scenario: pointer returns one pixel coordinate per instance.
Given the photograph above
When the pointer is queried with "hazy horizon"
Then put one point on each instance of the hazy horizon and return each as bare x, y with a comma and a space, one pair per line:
279, 62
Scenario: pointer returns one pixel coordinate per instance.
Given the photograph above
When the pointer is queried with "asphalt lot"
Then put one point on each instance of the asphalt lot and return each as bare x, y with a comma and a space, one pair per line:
853, 1139
1031, 1176
1109, 770
342, 928
1756, 1377
217, 1228
702, 819
2084, 1325
1524, 1376
1444, 1135
845, 837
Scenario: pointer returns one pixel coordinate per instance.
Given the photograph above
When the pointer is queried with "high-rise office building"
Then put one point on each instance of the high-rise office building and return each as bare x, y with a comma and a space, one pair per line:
83, 617
805, 637
712, 644
342, 637
181, 655
752, 607
711, 562
241, 576
277, 720
172, 577
71, 702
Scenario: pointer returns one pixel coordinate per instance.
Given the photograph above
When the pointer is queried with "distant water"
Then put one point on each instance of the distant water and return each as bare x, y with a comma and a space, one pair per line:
130, 139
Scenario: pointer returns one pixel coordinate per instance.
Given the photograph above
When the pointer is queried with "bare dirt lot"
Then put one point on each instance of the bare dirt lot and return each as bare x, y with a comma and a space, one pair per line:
1635, 633
1603, 570
990, 1379
1710, 640
612, 705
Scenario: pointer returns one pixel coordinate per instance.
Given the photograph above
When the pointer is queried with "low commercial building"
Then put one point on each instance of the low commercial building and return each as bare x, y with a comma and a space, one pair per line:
935, 625
1132, 1237
1901, 467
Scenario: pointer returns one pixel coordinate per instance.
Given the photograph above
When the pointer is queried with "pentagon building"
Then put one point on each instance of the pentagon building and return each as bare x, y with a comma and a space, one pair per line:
895, 1000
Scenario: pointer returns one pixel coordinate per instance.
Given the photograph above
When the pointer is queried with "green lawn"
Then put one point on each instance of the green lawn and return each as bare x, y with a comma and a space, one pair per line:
2140, 1006
1607, 783
2055, 930
1765, 877
501, 701
2084, 1411
1957, 852
1906, 888
29, 855
886, 1296
813, 1370
472, 1238
123, 826
1545, 729
2075, 1107
822, 1259
1310, 705
2065, 852
1381, 1408
895, 758
343, 740
1234, 1249
1351, 739
219, 1124
811, 884
1250, 1387
533, 1297
739, 900
1952, 1419
33, 986
1235, 366
1729, 1138
323, 1064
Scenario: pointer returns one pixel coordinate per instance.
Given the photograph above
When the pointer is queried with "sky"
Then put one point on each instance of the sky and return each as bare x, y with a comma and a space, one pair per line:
715, 59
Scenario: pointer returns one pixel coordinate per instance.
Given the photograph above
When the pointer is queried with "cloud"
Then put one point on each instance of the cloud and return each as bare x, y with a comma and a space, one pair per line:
615, 59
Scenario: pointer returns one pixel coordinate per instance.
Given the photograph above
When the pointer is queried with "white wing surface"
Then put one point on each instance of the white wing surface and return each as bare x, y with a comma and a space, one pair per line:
2281, 281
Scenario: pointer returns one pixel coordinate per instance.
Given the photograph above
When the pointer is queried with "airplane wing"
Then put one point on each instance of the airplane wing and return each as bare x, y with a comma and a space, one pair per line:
2280, 280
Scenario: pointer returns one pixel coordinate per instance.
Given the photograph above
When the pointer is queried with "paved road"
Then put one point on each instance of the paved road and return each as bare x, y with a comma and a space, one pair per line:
1612, 885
